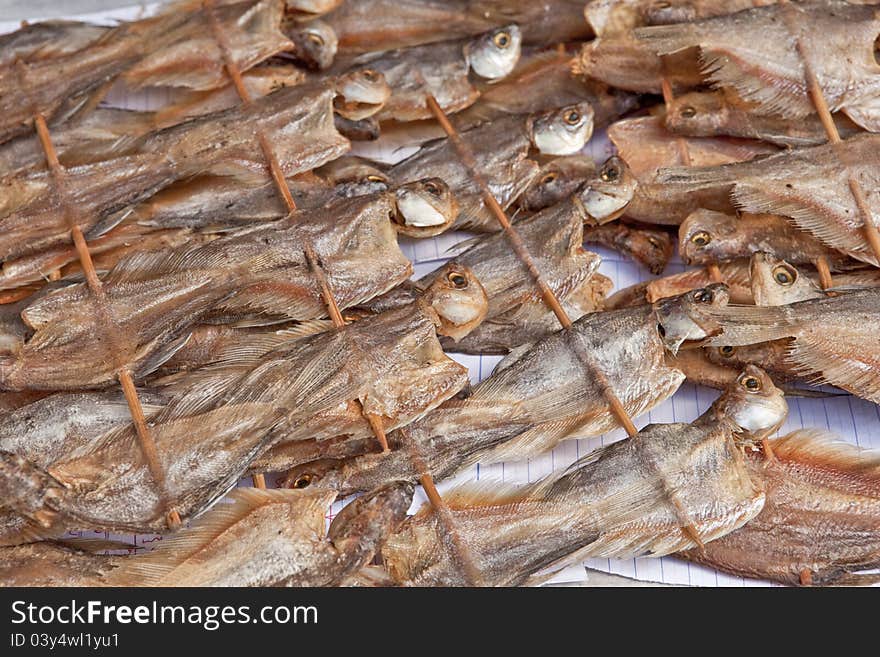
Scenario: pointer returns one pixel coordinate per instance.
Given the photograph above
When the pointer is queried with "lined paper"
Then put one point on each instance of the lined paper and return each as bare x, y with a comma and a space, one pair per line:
852, 419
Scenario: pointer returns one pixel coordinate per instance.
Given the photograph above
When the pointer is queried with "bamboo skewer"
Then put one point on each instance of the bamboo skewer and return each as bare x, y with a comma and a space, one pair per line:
145, 437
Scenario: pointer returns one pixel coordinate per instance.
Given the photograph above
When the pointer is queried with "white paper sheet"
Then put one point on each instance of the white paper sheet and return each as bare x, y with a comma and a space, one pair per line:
852, 419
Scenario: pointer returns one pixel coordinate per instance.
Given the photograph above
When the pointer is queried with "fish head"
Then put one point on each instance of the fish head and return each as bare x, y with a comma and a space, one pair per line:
688, 316
310, 8
668, 12
316, 44
698, 114
562, 131
752, 401
777, 283
654, 247
558, 179
707, 237
320, 473
458, 299
365, 522
604, 197
425, 208
493, 55
361, 93
354, 176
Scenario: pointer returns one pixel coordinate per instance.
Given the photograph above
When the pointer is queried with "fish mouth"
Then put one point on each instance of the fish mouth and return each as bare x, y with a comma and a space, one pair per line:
458, 299
425, 208
755, 403
494, 55
563, 132
605, 198
361, 94
687, 319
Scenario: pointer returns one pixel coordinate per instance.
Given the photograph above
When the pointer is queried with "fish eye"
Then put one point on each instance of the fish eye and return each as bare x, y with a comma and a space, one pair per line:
703, 296
726, 351
549, 178
750, 383
502, 39
303, 481
374, 178
369, 74
433, 189
458, 281
687, 112
701, 238
316, 39
784, 275
610, 173
572, 117
661, 330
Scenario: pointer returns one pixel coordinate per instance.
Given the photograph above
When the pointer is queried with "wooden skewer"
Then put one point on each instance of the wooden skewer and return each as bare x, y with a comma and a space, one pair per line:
145, 437
824, 272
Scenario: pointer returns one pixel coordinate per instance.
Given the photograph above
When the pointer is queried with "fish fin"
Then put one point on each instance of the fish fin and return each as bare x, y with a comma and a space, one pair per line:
823, 447
269, 301
84, 544
473, 213
107, 223
856, 368
744, 325
259, 36
865, 113
306, 328
512, 356
151, 568
535, 440
727, 71
486, 492
813, 217
158, 356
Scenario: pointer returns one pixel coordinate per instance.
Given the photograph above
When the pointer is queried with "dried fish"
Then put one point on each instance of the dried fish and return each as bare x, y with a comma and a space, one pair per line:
610, 17
108, 132
501, 149
646, 146
652, 248
259, 274
648, 495
755, 52
820, 520
557, 180
268, 392
543, 80
370, 25
623, 62
541, 394
808, 185
712, 114
708, 237
517, 314
442, 70
32, 218
834, 338
262, 538
173, 48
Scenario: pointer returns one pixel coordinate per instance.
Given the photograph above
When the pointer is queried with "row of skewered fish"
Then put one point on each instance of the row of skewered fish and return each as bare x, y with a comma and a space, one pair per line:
212, 301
